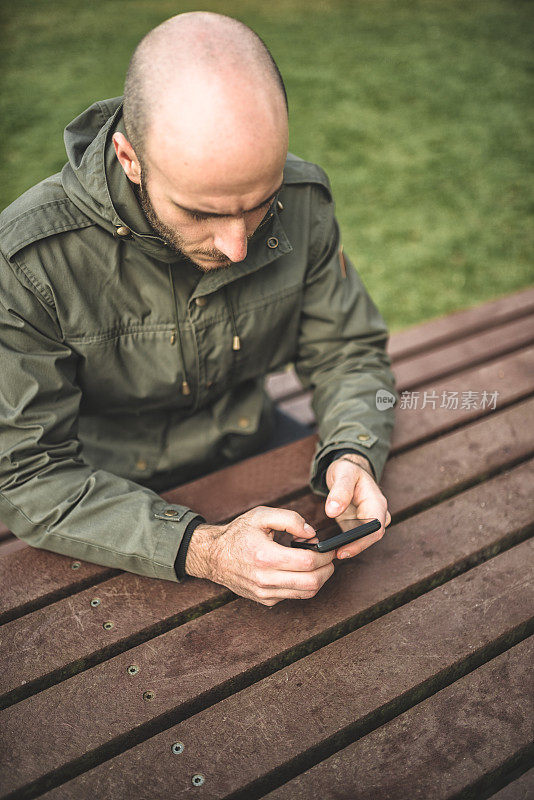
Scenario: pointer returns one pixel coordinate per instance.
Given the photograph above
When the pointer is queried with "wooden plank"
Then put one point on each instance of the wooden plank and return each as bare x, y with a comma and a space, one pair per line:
408, 483
11, 545
222, 650
498, 439
443, 361
459, 458
455, 326
146, 607
460, 738
31, 578
520, 789
303, 712
511, 376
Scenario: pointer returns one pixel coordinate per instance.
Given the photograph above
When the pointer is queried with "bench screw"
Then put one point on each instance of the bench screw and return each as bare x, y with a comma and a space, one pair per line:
198, 779
95, 602
107, 626
148, 695
75, 565
177, 748
133, 669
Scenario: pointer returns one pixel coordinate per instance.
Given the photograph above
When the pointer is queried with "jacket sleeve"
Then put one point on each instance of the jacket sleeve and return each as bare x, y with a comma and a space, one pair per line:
342, 353
49, 495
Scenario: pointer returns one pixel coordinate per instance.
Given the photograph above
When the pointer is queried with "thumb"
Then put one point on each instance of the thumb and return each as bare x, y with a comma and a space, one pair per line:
342, 490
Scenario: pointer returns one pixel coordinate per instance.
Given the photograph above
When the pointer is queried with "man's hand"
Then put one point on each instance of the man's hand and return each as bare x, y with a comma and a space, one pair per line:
355, 494
243, 556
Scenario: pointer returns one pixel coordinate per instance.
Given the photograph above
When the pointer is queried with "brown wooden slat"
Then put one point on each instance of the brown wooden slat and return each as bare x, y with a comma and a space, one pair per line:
520, 789
280, 385
32, 577
464, 354
512, 376
325, 699
11, 545
452, 741
499, 439
408, 482
479, 447
203, 655
460, 324
146, 607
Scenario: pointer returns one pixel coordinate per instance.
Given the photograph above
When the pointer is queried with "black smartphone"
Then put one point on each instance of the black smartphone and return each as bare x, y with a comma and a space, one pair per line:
364, 528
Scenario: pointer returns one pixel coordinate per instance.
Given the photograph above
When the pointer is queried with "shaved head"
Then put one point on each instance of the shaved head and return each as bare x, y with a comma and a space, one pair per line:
205, 116
194, 48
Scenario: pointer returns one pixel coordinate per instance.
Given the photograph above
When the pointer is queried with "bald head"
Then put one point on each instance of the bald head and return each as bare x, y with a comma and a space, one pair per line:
197, 73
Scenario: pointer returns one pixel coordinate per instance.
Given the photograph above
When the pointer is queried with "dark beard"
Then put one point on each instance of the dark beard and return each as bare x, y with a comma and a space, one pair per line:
170, 237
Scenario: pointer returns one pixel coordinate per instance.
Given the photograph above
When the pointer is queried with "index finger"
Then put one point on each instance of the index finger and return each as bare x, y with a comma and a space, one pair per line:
277, 556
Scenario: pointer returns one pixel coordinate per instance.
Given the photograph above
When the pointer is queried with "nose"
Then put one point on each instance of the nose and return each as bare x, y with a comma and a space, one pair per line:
231, 238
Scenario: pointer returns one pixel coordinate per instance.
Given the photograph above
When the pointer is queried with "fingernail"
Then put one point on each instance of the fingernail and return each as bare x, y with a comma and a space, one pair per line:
309, 529
333, 506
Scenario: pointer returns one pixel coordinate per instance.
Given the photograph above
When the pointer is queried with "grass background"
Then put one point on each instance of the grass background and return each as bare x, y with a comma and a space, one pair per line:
419, 110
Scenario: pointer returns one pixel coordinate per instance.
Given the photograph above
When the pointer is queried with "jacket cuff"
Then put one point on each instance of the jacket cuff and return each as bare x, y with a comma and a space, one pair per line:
326, 460
320, 463
179, 563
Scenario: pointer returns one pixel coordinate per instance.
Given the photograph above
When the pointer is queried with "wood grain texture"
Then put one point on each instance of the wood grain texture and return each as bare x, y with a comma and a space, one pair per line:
457, 739
328, 698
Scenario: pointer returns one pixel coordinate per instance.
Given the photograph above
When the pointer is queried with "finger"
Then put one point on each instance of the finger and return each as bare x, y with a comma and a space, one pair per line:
289, 559
342, 490
277, 583
370, 504
281, 519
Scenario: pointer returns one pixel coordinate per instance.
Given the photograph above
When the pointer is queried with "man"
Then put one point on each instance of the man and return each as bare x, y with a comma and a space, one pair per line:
146, 290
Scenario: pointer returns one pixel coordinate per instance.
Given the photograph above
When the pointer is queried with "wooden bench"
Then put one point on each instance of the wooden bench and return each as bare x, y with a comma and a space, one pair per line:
407, 676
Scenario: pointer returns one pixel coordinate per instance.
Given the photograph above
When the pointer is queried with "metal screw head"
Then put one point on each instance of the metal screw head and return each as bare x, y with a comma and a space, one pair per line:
133, 669
95, 602
177, 748
198, 779
108, 625
75, 565
148, 695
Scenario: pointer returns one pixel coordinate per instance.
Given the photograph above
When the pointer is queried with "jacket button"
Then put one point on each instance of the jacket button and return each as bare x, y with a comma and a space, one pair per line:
123, 231
272, 242
141, 464
280, 205
209, 384
243, 422
170, 512
201, 301
363, 437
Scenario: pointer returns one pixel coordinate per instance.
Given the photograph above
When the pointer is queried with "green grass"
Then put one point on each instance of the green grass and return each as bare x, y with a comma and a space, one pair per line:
419, 110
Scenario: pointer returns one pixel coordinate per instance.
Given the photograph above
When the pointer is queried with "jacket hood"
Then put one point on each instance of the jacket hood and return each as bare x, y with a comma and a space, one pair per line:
95, 181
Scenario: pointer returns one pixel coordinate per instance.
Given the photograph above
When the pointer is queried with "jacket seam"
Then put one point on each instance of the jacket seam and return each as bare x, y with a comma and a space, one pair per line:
46, 296
30, 211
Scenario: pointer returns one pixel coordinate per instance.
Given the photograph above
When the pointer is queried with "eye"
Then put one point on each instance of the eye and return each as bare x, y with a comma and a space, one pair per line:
199, 217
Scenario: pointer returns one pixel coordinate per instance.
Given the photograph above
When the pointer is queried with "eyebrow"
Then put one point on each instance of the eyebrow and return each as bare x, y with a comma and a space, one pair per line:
200, 213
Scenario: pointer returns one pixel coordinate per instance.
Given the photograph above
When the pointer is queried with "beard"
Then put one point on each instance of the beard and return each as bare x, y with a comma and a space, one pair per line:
173, 240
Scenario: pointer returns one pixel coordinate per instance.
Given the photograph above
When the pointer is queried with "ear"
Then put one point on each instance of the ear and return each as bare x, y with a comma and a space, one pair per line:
126, 155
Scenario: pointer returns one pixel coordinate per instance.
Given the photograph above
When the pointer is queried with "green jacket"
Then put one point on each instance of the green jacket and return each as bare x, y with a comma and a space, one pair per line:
100, 326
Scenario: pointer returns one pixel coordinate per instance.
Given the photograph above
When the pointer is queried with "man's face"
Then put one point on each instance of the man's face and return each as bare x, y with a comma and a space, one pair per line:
210, 229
